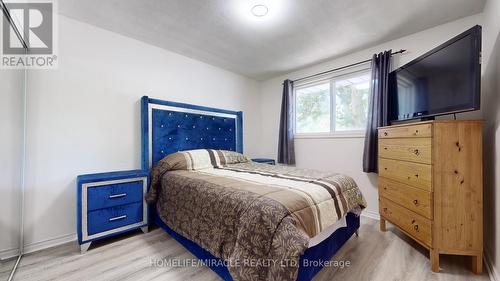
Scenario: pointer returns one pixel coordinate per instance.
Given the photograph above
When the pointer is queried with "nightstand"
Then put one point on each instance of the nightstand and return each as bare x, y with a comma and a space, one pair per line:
264, 160
109, 204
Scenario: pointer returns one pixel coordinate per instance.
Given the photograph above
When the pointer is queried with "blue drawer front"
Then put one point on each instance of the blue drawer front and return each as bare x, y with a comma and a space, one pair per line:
106, 196
114, 217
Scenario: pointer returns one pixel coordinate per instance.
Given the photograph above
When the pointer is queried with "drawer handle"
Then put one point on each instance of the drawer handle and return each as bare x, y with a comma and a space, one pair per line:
118, 218
385, 133
385, 209
415, 202
415, 227
416, 152
117, 195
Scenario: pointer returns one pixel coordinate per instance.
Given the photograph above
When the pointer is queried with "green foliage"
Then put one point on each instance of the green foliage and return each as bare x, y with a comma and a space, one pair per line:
313, 112
351, 108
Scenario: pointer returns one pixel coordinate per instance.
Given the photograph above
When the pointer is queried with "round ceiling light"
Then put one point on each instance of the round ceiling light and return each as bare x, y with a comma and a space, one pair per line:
260, 10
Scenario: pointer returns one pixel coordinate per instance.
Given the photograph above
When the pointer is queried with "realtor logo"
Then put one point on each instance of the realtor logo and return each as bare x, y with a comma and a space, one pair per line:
31, 23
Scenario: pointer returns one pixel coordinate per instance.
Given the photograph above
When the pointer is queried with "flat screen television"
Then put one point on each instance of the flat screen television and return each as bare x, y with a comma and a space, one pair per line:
443, 81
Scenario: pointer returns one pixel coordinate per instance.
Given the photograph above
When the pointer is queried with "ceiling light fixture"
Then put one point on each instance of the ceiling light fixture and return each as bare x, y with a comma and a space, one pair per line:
260, 10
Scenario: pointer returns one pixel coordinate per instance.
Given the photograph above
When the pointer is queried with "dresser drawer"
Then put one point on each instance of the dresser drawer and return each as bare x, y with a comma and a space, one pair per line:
410, 131
414, 199
414, 174
105, 196
407, 149
111, 218
412, 223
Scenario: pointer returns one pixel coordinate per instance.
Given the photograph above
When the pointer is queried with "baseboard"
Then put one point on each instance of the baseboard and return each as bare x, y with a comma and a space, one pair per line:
49, 243
492, 272
8, 254
37, 246
371, 215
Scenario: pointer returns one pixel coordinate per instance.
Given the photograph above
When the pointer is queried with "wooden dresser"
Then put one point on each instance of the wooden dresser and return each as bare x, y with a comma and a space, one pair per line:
431, 186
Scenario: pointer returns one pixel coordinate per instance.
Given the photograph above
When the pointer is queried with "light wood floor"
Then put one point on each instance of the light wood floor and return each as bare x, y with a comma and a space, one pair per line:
373, 255
5, 268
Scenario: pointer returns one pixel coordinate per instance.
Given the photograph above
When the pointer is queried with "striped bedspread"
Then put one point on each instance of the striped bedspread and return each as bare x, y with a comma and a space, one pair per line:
257, 217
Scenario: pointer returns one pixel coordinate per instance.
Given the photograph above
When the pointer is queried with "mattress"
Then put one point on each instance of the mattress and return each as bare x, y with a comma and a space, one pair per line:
242, 211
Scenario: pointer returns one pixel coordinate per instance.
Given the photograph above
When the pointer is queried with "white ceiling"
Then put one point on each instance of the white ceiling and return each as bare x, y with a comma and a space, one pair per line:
295, 33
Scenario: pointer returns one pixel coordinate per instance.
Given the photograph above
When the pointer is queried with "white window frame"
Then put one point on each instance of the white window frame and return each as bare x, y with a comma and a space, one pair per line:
331, 78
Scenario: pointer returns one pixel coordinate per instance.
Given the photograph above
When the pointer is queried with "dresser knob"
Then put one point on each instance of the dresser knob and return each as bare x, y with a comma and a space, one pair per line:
385, 133
416, 152
415, 202
415, 227
416, 175
385, 210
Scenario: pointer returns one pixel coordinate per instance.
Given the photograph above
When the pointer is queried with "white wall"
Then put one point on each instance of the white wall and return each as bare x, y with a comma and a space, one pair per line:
344, 155
491, 109
84, 117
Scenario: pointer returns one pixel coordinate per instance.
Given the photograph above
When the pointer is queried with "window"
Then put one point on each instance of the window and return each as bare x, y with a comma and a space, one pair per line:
334, 105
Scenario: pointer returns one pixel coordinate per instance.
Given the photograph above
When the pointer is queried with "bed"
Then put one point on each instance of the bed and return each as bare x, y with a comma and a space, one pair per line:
244, 220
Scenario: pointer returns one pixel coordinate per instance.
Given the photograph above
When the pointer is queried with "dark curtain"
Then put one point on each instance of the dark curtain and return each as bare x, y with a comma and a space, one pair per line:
286, 151
377, 109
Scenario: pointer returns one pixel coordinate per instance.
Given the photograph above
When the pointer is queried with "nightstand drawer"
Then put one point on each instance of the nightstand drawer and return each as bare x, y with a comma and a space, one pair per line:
264, 161
105, 196
114, 217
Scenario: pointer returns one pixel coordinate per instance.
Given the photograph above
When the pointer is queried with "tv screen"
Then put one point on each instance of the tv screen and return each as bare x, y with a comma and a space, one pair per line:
443, 81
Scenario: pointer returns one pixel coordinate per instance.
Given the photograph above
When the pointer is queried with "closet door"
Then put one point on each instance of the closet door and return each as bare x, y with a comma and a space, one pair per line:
12, 100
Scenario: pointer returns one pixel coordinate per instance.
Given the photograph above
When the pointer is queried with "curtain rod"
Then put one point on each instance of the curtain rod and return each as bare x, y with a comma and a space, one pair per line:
343, 67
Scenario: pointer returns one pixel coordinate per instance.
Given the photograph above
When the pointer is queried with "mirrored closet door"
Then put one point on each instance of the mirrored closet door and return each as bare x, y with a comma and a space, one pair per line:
12, 136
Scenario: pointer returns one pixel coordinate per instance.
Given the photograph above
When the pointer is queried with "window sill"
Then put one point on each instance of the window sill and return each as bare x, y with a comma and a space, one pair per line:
338, 135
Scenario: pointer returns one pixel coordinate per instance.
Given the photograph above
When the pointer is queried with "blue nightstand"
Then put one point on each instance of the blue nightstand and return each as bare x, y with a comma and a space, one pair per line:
109, 204
264, 160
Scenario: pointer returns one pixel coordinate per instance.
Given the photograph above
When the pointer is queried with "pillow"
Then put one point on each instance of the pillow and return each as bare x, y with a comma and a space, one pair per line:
199, 159
190, 160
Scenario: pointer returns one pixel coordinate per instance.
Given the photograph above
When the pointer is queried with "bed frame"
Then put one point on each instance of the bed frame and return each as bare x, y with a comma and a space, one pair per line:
168, 127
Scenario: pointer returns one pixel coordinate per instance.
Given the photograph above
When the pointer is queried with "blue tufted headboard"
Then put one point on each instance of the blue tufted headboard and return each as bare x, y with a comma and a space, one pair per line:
168, 127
